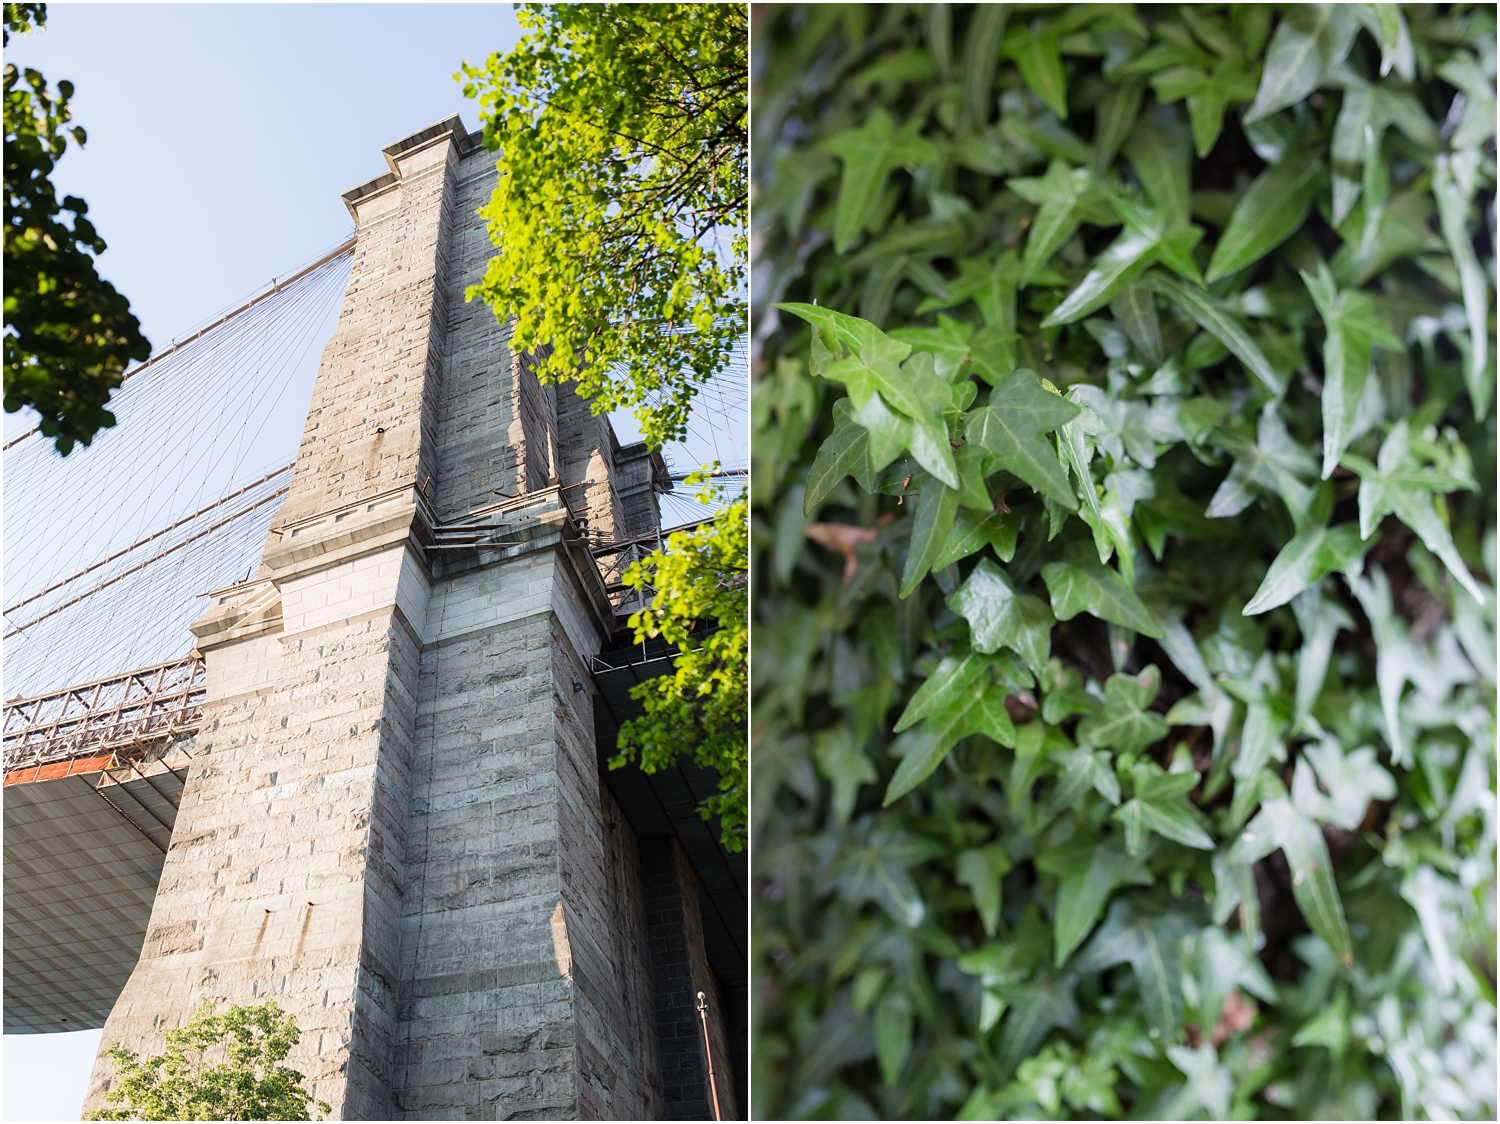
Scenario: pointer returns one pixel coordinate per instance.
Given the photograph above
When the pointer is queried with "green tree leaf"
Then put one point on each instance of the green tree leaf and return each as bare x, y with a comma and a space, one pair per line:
69, 335
186, 1081
609, 187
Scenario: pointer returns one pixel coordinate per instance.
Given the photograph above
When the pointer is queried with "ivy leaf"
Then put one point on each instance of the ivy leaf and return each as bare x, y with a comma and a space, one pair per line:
1281, 825
859, 336
1134, 307
840, 760
1352, 782
870, 153
874, 869
978, 709
1058, 194
1160, 151
1221, 962
1114, 118
1121, 261
1036, 57
981, 869
1320, 620
998, 616
1304, 560
1151, 942
1013, 427
1036, 1007
1083, 769
973, 530
948, 680
937, 504
893, 1032
997, 966
1136, 426
1218, 322
949, 344
1086, 586
887, 433
1310, 41
1399, 484
846, 452
1274, 208
1353, 331
1065, 694
1231, 81
1124, 724
1161, 805
1208, 1087
1454, 182
1273, 463
1088, 873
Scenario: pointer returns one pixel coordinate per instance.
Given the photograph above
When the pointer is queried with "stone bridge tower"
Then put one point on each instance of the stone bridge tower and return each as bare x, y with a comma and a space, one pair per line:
395, 824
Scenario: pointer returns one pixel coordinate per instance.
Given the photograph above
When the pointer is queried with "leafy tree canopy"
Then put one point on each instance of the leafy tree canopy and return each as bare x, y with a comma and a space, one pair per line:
244, 1081
698, 583
1124, 676
620, 211
68, 334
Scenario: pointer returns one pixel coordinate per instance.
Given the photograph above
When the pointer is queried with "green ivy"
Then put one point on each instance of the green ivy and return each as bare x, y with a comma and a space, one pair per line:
1123, 665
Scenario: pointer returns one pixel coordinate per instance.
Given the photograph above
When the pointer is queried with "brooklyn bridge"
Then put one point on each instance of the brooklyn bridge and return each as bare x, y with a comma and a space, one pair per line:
333, 728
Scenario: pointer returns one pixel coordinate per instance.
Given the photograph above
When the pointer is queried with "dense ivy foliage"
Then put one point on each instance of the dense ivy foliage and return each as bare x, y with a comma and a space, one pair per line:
1124, 537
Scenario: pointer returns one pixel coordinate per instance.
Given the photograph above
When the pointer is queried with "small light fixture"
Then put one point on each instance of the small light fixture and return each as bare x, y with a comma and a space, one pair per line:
577, 687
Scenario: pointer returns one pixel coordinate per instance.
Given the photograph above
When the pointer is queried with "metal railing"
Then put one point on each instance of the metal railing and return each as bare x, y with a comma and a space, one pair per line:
124, 713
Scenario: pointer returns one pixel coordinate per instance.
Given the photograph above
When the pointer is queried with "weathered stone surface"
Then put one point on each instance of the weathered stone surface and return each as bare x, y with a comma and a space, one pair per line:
394, 824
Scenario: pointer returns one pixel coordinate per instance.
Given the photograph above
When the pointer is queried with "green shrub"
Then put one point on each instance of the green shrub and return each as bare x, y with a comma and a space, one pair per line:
224, 1066
1124, 532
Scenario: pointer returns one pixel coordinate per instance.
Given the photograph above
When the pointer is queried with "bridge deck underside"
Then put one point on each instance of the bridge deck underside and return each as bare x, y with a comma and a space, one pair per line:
81, 867
82, 863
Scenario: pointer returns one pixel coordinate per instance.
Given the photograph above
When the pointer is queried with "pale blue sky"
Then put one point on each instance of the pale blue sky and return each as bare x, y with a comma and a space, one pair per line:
220, 140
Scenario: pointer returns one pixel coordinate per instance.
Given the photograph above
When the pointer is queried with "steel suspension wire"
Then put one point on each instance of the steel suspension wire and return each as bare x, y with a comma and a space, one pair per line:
108, 552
